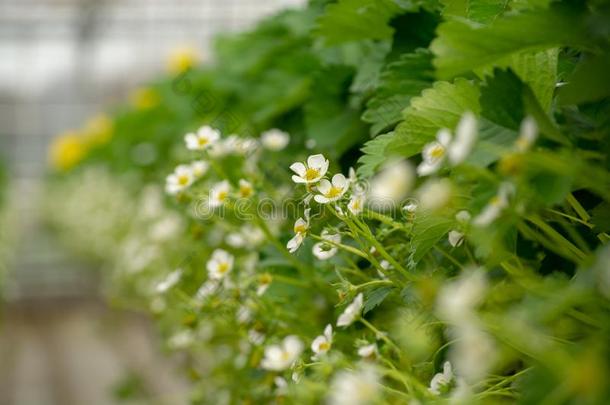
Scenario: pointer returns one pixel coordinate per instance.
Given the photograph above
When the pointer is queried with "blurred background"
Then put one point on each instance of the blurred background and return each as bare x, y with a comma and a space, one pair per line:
60, 62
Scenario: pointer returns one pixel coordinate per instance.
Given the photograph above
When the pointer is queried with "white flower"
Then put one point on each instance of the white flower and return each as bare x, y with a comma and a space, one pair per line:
322, 344
180, 179
275, 139
410, 206
357, 387
473, 352
166, 227
312, 172
169, 281
435, 194
458, 299
351, 175
300, 230
199, 168
456, 238
356, 203
296, 241
201, 140
441, 382
236, 240
351, 312
255, 337
368, 351
245, 188
496, 205
391, 185
527, 134
463, 217
324, 250
208, 288
181, 339
281, 385
222, 147
244, 314
332, 192
253, 235
433, 154
465, 137
219, 264
241, 146
264, 281
282, 356
219, 193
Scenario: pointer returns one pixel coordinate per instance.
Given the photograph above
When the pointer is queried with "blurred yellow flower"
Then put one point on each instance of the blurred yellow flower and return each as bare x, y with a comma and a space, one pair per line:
181, 59
98, 130
144, 98
67, 150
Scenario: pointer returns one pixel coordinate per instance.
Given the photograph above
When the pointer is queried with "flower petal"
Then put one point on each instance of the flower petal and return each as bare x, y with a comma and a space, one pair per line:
339, 181
317, 161
324, 186
299, 168
321, 199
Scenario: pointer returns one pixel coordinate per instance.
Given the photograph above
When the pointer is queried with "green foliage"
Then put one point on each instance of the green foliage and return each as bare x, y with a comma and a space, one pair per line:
428, 229
373, 154
353, 20
399, 82
494, 259
463, 46
438, 107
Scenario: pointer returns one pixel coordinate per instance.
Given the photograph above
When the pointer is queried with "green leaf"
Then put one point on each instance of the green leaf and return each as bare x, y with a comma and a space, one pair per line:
589, 81
375, 297
353, 20
329, 119
492, 143
462, 46
427, 230
505, 100
438, 107
539, 71
399, 82
600, 217
502, 99
373, 154
483, 11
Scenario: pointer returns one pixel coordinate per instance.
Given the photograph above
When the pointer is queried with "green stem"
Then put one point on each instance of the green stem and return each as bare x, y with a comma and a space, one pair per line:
280, 247
373, 282
380, 335
347, 248
577, 207
367, 234
557, 237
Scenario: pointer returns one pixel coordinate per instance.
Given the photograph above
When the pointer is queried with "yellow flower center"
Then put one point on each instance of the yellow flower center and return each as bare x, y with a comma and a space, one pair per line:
202, 141
334, 192
301, 228
437, 152
312, 174
245, 191
183, 180
265, 278
223, 268
324, 346
356, 205
222, 195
